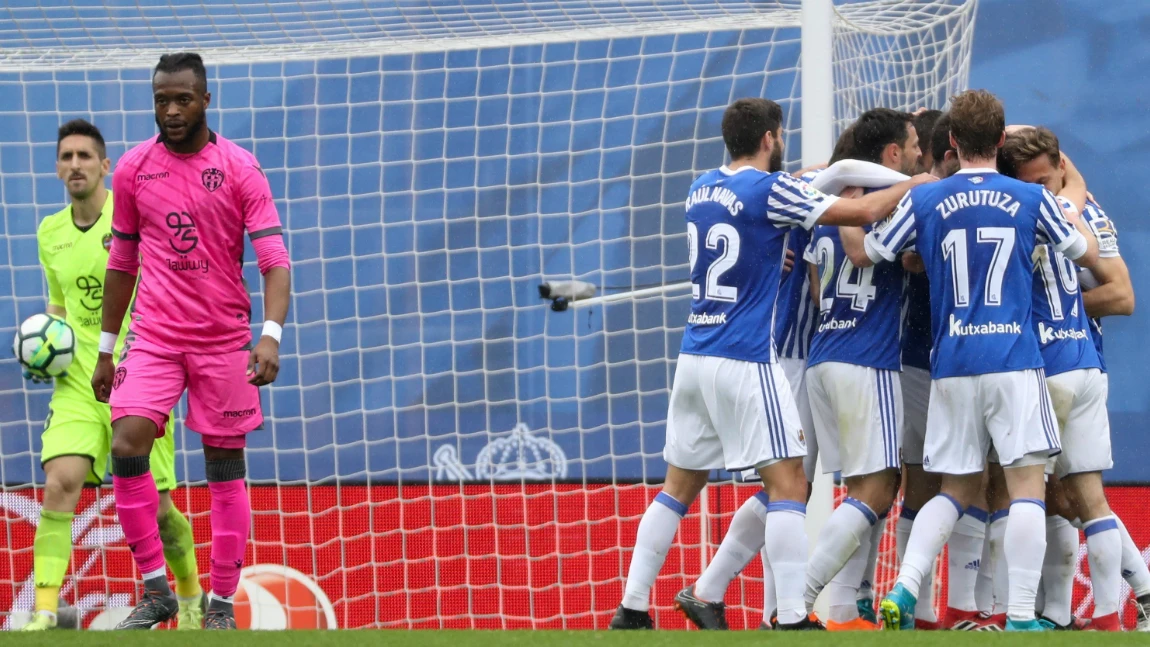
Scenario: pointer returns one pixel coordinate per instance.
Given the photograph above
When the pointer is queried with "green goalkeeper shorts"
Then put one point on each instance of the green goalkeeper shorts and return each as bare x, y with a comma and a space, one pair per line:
79, 425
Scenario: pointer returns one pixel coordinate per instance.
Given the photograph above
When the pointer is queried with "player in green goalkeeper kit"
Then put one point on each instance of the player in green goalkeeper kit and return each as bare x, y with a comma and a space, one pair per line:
74, 244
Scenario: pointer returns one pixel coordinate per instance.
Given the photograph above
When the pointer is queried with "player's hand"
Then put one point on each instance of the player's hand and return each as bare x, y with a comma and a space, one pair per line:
264, 362
912, 262
37, 378
923, 178
789, 261
102, 377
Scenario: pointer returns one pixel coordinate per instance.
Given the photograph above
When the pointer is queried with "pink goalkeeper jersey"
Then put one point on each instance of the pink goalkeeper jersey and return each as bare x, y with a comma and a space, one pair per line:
189, 214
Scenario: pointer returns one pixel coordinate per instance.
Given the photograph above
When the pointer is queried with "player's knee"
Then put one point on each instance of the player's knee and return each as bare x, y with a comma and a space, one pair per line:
875, 490
1087, 498
785, 480
133, 436
62, 490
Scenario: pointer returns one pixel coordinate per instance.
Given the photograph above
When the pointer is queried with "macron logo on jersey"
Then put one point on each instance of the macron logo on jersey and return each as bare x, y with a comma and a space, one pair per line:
707, 320
978, 198
1047, 335
959, 329
718, 194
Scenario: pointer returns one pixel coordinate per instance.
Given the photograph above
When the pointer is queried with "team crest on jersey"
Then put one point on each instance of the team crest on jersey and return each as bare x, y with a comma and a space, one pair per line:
977, 179
212, 178
107, 242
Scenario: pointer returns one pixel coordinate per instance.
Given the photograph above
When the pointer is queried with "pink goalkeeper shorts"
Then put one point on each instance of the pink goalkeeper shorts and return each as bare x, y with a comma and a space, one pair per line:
222, 406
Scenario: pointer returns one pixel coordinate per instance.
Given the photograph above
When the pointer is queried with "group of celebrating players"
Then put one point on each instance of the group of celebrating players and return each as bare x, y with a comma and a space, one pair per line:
168, 242
924, 334
936, 334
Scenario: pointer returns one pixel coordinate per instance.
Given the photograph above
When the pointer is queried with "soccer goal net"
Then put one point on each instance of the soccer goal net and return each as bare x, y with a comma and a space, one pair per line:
441, 450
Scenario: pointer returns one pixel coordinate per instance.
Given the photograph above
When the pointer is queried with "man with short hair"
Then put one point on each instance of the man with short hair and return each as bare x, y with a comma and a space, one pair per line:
976, 232
183, 203
1078, 385
887, 137
731, 406
853, 386
924, 124
795, 320
77, 437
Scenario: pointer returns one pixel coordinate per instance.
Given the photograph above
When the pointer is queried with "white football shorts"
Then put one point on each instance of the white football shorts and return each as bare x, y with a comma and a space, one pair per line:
1079, 400
858, 417
796, 370
915, 401
731, 414
1010, 411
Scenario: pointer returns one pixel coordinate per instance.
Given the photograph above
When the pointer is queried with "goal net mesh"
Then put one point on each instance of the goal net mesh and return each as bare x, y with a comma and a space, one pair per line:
440, 450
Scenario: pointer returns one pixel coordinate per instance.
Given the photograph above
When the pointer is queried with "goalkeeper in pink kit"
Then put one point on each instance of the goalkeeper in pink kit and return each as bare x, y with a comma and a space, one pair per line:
182, 204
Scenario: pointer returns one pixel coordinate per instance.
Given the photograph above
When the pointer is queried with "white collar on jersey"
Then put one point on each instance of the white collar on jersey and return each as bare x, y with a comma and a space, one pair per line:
726, 171
977, 170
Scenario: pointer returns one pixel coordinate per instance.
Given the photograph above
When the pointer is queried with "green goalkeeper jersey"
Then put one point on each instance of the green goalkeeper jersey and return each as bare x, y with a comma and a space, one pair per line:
74, 262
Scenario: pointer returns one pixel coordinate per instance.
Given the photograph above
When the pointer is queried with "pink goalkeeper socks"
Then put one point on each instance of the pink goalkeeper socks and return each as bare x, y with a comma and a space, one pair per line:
137, 503
231, 523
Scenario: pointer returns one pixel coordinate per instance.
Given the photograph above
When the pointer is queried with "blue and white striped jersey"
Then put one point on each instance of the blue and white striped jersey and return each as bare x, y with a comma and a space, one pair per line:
795, 315
1107, 236
737, 226
976, 232
859, 317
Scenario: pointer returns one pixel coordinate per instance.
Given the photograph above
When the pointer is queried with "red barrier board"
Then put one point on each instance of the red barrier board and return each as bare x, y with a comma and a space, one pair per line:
452, 556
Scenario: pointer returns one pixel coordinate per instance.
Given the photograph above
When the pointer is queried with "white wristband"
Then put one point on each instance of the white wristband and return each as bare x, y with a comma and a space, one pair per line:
108, 342
273, 330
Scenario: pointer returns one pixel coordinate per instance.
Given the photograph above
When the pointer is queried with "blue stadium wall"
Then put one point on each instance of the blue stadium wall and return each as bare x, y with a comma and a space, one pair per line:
392, 340
1079, 67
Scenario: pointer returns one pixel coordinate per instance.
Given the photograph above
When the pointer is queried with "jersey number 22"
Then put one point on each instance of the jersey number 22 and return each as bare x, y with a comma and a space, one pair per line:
723, 262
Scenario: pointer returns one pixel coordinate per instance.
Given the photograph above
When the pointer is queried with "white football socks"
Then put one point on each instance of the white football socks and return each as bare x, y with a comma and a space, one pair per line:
984, 581
964, 552
1024, 546
744, 538
652, 541
1104, 551
866, 584
1134, 570
932, 527
997, 570
848, 528
786, 546
1058, 569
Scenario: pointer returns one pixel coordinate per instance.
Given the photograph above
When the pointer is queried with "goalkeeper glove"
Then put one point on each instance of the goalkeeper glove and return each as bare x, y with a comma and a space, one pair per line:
39, 378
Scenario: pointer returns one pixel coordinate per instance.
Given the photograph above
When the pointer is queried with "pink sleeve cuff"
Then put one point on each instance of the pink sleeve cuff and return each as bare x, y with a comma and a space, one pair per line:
270, 252
124, 255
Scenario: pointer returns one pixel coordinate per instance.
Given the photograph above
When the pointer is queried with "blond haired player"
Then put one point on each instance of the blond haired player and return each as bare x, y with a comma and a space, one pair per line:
77, 437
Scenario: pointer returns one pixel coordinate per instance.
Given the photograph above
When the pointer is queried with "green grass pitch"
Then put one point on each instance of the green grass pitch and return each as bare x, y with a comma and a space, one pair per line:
564, 638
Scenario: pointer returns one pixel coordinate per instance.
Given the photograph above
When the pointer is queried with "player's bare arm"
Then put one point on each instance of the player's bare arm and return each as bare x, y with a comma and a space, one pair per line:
872, 207
264, 364
1114, 294
118, 287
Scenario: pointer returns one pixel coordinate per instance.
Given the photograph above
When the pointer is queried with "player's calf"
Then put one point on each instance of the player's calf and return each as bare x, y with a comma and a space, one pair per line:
653, 540
52, 547
1103, 545
786, 536
231, 522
